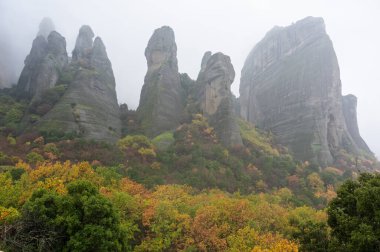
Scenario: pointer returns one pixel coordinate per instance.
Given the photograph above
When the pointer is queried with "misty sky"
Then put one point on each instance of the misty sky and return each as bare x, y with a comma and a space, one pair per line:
229, 26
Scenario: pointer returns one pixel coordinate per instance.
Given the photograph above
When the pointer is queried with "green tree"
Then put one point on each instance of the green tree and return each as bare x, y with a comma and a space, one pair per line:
354, 215
90, 220
81, 220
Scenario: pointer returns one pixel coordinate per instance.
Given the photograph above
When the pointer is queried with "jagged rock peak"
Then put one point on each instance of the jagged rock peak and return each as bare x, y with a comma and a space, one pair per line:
216, 77
46, 27
84, 43
89, 107
43, 65
215, 97
100, 60
161, 100
290, 85
99, 49
349, 110
162, 49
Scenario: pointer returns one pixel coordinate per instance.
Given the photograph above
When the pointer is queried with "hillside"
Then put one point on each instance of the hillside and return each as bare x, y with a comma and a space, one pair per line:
193, 168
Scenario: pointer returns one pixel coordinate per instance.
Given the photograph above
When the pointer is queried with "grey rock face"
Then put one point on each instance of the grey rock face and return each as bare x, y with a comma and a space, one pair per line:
83, 45
46, 27
89, 106
161, 105
215, 97
349, 111
290, 85
43, 65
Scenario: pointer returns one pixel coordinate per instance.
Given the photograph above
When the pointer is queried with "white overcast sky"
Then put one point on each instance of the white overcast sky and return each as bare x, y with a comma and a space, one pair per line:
229, 26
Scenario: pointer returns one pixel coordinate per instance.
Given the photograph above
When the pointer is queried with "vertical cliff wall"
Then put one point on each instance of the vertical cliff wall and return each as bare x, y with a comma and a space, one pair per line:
290, 85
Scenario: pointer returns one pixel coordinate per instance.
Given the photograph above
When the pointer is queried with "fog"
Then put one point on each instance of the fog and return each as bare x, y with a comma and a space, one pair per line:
230, 26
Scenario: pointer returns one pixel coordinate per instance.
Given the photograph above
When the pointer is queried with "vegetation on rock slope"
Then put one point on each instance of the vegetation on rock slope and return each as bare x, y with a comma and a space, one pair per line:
182, 190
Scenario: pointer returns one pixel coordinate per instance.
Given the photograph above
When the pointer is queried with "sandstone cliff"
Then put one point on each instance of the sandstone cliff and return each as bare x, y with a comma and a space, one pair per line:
290, 85
215, 97
161, 100
89, 106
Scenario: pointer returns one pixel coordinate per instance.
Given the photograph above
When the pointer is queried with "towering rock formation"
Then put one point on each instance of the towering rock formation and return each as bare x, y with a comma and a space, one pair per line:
43, 65
215, 97
89, 106
161, 104
290, 85
349, 111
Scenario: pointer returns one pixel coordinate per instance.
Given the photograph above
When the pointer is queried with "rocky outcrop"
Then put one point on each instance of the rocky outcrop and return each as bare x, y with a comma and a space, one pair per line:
83, 46
89, 107
349, 111
161, 103
215, 97
290, 85
43, 65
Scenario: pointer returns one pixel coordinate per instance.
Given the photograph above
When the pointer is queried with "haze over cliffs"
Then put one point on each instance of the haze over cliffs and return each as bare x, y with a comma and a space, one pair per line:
290, 85
290, 88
